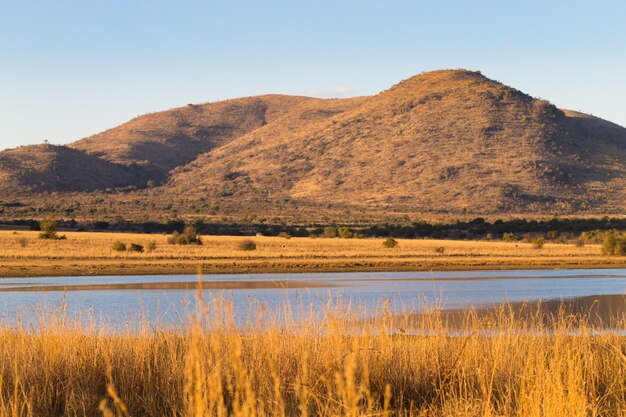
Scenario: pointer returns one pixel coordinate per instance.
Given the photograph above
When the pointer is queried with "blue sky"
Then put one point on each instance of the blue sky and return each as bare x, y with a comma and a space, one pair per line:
69, 68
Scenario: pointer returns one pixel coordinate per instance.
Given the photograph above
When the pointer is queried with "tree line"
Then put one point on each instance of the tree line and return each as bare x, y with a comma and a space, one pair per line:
476, 229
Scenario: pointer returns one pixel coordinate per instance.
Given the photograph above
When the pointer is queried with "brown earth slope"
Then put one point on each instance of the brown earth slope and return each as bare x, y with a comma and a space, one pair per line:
445, 140
450, 141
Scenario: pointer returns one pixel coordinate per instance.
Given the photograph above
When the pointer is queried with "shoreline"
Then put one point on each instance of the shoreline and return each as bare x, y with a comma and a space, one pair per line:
598, 310
33, 269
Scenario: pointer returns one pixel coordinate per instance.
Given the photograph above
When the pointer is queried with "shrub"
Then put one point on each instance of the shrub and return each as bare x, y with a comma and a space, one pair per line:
538, 242
580, 242
285, 235
330, 232
553, 235
119, 246
345, 232
509, 237
189, 236
135, 247
614, 244
150, 246
594, 236
390, 243
598, 236
48, 229
23, 242
247, 245
174, 239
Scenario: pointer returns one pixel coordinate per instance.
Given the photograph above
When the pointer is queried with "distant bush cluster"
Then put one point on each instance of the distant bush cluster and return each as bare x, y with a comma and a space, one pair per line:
189, 236
510, 237
565, 230
342, 232
133, 247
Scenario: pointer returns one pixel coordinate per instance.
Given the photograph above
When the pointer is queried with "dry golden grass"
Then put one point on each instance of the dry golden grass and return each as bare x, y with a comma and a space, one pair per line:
22, 254
84, 253
495, 365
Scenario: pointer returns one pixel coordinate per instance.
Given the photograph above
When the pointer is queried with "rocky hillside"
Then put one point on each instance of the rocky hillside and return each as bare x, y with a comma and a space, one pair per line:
449, 141
445, 140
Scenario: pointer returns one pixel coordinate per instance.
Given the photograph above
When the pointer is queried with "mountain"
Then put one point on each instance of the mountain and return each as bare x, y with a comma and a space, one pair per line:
445, 140
449, 141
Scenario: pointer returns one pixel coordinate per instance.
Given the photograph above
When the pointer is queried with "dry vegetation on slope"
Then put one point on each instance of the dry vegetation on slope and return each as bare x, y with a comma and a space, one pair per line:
445, 140
448, 142
169, 139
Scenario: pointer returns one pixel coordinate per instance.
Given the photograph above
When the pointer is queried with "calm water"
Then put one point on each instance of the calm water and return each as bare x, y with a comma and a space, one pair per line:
401, 290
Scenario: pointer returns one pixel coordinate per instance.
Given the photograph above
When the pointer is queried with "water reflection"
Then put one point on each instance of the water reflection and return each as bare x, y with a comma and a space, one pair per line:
167, 300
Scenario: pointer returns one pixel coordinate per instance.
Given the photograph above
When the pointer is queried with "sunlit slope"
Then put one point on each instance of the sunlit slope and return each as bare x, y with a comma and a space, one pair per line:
450, 142
439, 141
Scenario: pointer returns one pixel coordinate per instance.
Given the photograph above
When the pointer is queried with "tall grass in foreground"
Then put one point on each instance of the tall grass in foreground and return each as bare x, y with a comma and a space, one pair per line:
495, 364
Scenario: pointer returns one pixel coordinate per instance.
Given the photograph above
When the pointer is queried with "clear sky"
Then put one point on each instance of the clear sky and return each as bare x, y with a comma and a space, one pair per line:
72, 68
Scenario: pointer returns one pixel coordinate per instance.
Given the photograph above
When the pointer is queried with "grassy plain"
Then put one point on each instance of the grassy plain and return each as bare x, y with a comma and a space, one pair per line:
497, 364
88, 253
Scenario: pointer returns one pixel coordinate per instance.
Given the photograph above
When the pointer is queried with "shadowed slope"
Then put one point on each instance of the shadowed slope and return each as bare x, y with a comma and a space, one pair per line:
172, 138
49, 168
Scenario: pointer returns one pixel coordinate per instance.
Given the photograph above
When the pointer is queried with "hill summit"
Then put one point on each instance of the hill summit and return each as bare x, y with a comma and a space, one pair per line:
449, 141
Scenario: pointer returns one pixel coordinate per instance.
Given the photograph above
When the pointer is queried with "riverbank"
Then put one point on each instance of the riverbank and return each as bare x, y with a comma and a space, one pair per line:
22, 254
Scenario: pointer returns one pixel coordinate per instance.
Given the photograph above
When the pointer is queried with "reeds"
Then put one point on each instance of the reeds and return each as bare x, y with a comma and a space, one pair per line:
337, 362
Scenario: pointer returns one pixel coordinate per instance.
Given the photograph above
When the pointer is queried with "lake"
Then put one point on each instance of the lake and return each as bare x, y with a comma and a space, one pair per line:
166, 300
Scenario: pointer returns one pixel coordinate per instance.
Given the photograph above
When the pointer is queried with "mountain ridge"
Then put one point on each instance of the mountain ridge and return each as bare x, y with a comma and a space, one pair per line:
446, 140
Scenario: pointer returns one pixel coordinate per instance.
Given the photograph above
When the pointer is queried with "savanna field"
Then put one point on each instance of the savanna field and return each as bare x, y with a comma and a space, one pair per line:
341, 361
90, 253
